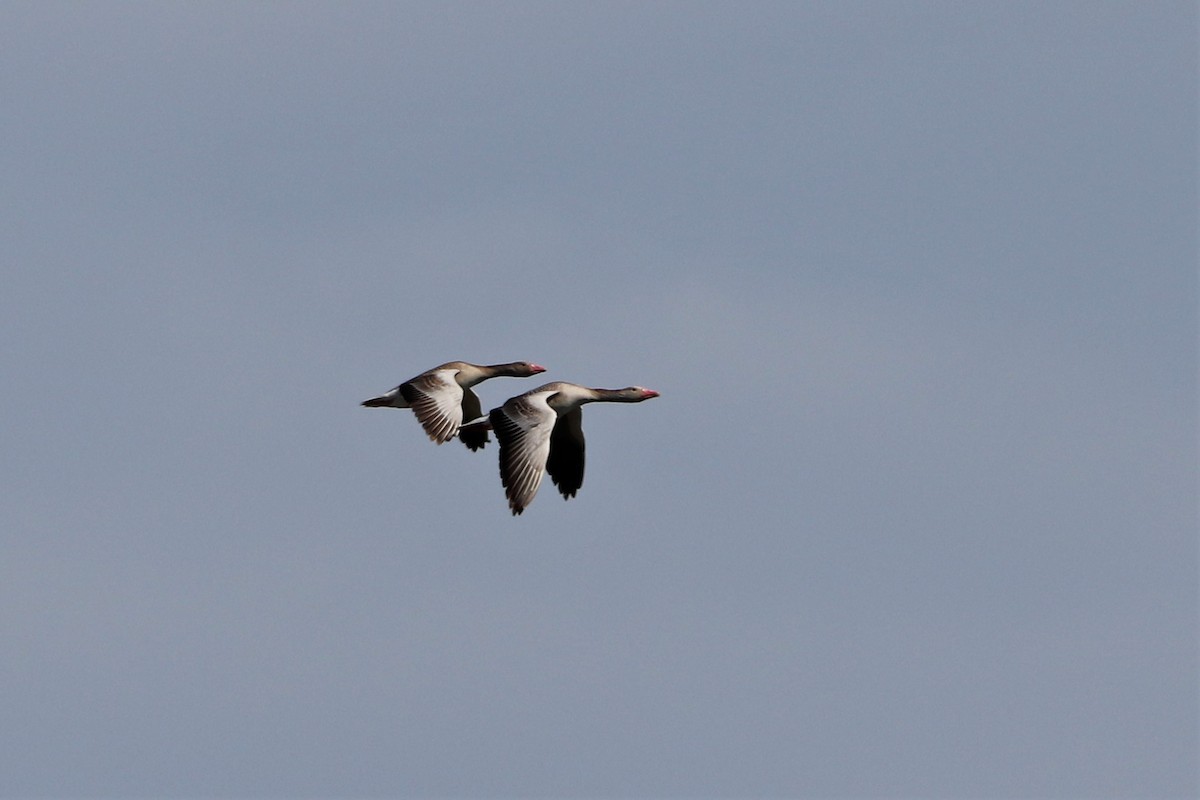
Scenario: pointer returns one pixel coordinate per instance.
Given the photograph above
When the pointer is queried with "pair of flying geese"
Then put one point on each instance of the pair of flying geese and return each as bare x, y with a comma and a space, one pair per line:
540, 431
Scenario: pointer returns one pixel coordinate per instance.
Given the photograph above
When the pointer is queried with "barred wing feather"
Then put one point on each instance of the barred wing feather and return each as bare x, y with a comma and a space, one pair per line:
523, 427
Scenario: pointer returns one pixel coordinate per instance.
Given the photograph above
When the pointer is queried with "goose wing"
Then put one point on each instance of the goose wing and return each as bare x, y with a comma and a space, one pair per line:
436, 399
565, 462
477, 437
523, 427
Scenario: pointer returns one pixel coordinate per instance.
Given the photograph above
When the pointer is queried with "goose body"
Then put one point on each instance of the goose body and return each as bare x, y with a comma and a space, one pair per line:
541, 431
442, 398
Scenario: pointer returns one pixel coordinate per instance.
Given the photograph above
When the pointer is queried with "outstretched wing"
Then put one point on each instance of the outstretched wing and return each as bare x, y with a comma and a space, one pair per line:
476, 437
436, 399
565, 463
523, 427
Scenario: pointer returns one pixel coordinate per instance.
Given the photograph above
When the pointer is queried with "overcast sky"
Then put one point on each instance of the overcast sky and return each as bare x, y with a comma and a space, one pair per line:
915, 515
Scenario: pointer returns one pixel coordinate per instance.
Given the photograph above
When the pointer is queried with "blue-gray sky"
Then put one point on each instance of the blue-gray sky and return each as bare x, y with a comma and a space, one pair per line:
915, 515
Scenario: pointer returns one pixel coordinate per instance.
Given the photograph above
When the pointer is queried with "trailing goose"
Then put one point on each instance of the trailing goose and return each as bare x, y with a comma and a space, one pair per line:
541, 431
442, 398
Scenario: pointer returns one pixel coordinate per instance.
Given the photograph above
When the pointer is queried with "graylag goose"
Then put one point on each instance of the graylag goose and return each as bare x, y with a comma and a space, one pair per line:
541, 432
442, 398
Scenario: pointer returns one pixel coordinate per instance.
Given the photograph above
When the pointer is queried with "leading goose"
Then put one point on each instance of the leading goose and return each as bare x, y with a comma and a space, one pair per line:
542, 431
442, 398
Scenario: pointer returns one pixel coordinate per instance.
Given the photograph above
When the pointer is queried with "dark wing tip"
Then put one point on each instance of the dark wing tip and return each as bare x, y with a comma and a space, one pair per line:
474, 438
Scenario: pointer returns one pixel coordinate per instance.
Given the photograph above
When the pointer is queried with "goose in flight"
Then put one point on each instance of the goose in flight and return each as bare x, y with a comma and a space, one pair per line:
442, 398
541, 431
